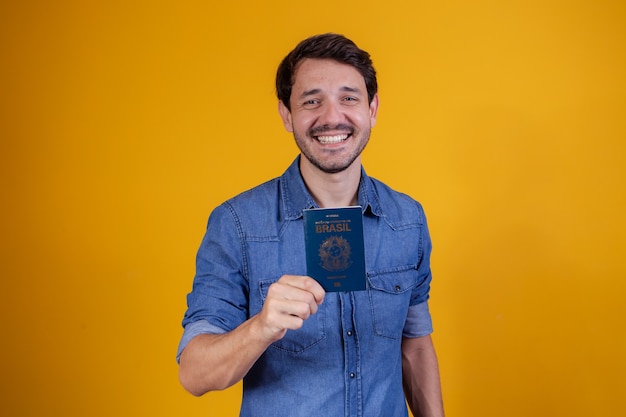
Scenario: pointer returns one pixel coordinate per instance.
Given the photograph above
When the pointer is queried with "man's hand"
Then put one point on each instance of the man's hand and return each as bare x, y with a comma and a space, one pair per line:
217, 361
289, 302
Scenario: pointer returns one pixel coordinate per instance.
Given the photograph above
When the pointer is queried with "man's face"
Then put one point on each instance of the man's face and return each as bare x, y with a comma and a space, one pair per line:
330, 115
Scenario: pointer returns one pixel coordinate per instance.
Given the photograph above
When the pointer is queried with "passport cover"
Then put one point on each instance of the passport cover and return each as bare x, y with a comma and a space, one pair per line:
335, 251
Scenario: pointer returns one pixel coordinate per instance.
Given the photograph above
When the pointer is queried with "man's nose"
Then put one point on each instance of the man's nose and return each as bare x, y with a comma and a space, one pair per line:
332, 114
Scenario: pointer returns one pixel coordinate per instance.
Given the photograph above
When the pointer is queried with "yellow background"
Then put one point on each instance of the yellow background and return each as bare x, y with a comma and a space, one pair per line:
124, 123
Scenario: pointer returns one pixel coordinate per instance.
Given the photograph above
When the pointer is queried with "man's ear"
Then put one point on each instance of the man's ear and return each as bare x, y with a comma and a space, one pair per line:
374, 110
285, 115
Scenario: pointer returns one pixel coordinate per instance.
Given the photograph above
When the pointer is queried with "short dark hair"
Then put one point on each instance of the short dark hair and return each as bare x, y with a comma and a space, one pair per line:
326, 46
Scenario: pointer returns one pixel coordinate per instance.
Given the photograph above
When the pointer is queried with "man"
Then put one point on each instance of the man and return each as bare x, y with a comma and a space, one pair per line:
253, 314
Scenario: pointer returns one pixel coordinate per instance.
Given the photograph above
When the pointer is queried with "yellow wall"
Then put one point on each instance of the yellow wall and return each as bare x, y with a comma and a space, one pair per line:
122, 124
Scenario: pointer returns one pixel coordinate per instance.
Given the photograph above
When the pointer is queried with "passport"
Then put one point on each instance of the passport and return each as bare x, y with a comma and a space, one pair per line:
335, 250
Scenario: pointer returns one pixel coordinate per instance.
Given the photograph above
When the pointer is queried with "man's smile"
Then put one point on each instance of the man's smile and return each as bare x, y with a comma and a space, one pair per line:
325, 140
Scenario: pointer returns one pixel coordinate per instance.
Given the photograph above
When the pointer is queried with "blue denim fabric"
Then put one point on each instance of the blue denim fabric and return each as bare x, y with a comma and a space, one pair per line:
346, 359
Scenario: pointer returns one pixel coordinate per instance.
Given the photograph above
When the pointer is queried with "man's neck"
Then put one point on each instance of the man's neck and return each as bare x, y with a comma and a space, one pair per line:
332, 190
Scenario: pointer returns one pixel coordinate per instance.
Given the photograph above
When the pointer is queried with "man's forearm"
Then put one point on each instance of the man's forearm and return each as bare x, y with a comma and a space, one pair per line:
420, 376
216, 361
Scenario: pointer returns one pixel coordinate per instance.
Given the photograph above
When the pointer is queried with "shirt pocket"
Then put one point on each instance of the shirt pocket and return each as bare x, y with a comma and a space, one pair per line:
313, 329
390, 295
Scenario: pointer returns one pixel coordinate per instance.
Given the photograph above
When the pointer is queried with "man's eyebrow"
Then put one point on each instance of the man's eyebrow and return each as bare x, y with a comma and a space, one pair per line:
314, 91
311, 92
350, 89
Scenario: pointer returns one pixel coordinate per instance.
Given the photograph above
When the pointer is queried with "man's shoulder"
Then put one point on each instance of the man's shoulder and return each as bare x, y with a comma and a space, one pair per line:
397, 207
266, 195
255, 212
253, 206
263, 193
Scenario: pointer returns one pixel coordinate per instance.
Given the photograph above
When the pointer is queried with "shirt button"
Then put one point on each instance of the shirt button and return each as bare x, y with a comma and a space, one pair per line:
398, 288
349, 332
352, 375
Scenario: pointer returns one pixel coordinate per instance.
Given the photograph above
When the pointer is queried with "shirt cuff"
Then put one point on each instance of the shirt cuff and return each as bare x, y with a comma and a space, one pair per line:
418, 321
194, 329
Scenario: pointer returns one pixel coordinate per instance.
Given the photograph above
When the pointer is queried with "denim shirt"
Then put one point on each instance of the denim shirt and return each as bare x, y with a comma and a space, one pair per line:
346, 359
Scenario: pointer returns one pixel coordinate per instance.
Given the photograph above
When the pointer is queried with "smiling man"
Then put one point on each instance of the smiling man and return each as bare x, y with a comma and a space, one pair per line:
253, 314
330, 115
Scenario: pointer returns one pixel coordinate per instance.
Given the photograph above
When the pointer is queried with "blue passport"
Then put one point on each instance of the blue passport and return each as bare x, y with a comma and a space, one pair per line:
335, 252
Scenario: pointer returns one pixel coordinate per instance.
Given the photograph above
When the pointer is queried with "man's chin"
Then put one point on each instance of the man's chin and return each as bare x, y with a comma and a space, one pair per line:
335, 168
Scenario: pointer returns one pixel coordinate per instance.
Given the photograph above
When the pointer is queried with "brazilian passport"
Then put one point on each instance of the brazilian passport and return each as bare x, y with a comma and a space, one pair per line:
335, 251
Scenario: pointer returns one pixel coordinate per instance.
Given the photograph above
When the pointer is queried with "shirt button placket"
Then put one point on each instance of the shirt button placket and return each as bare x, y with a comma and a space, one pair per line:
351, 354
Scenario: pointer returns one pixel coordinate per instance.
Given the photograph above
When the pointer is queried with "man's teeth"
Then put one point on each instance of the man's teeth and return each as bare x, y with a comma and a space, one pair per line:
332, 139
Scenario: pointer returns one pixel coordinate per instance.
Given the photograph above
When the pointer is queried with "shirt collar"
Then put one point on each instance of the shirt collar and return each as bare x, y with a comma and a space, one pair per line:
296, 198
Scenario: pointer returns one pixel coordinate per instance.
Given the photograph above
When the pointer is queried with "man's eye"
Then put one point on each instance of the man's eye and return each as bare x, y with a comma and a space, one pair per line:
311, 103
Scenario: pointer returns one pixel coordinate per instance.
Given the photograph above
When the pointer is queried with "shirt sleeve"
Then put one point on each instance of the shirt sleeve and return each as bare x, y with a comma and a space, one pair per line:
418, 321
194, 329
421, 293
218, 301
